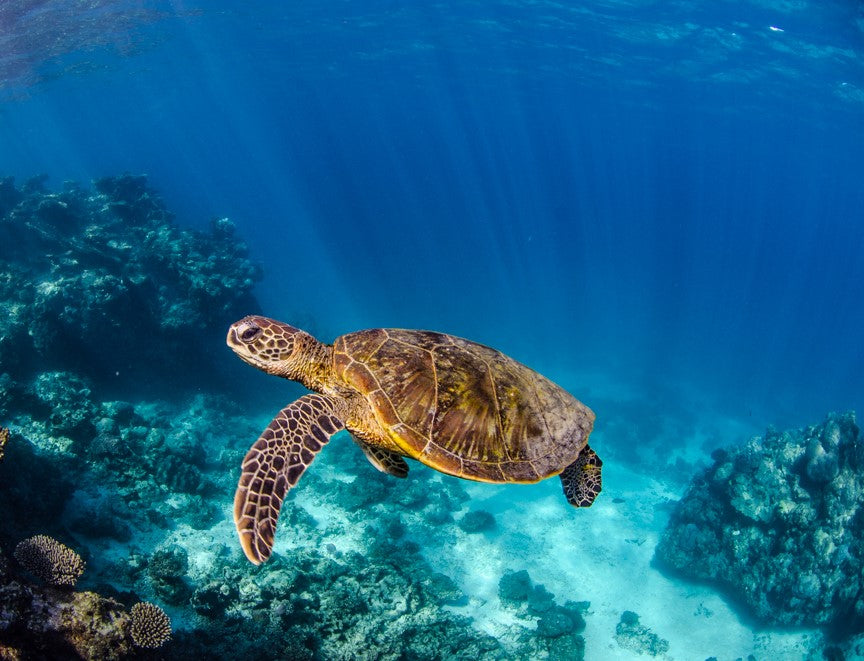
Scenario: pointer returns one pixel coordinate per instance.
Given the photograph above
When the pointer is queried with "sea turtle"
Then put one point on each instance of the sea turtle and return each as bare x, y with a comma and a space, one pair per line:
457, 406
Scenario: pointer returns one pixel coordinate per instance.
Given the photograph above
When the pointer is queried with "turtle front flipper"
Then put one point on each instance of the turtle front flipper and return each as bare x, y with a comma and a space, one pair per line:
385, 461
274, 464
582, 480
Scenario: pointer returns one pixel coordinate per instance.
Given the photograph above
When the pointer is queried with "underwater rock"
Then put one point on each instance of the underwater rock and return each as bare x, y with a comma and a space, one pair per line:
26, 505
558, 621
778, 523
69, 404
9, 195
365, 490
477, 521
96, 516
167, 569
630, 634
213, 599
557, 627
443, 589
178, 474
569, 647
514, 588
540, 600
7, 385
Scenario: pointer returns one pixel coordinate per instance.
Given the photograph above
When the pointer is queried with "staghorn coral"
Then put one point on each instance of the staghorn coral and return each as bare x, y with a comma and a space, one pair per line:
149, 625
49, 560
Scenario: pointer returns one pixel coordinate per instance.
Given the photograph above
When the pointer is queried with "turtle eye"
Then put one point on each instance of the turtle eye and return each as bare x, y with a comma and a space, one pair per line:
250, 334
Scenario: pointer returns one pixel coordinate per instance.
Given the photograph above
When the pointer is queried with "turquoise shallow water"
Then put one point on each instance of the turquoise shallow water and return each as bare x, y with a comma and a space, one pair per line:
656, 206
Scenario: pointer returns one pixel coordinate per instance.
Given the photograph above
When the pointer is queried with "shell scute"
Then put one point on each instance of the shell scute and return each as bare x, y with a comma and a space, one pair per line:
463, 408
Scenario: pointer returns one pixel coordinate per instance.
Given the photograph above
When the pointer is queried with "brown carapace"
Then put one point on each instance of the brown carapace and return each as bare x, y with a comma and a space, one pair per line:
457, 406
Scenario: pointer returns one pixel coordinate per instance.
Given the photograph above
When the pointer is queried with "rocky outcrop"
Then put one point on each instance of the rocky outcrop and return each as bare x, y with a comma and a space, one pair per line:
779, 523
107, 284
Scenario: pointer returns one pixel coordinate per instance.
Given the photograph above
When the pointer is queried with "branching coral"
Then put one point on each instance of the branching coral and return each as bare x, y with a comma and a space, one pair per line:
49, 560
150, 626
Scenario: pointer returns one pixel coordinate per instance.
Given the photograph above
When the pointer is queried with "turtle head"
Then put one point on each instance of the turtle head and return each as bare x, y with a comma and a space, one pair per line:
270, 345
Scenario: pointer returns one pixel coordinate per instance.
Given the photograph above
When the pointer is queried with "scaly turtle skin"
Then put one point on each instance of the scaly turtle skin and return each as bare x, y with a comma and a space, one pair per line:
457, 406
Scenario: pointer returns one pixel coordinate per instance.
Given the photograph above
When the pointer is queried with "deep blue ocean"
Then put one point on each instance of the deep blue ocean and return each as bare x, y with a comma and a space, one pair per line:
668, 191
659, 205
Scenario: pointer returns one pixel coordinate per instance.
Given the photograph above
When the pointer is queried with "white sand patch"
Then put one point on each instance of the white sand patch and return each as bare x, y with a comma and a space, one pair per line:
602, 555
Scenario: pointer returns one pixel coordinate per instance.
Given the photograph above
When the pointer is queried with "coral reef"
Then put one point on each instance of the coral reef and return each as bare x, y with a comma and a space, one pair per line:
778, 523
331, 605
50, 623
107, 284
49, 560
631, 635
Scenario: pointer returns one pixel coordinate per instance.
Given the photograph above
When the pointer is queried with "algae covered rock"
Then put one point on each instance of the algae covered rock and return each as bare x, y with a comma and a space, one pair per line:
66, 398
557, 628
514, 588
778, 523
477, 521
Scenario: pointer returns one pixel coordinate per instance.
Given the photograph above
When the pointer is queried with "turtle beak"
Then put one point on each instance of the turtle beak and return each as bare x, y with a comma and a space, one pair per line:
236, 332
232, 340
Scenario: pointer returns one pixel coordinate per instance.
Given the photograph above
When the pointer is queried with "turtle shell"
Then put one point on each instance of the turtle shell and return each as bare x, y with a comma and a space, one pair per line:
463, 408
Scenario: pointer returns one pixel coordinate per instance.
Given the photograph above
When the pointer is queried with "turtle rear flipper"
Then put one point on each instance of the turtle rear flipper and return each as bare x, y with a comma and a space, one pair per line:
274, 464
582, 480
385, 461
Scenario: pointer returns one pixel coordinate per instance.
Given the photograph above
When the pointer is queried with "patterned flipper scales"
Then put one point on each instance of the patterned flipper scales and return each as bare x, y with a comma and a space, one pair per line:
582, 480
274, 464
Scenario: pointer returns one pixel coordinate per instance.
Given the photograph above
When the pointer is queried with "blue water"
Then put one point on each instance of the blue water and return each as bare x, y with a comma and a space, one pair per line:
667, 195
670, 192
